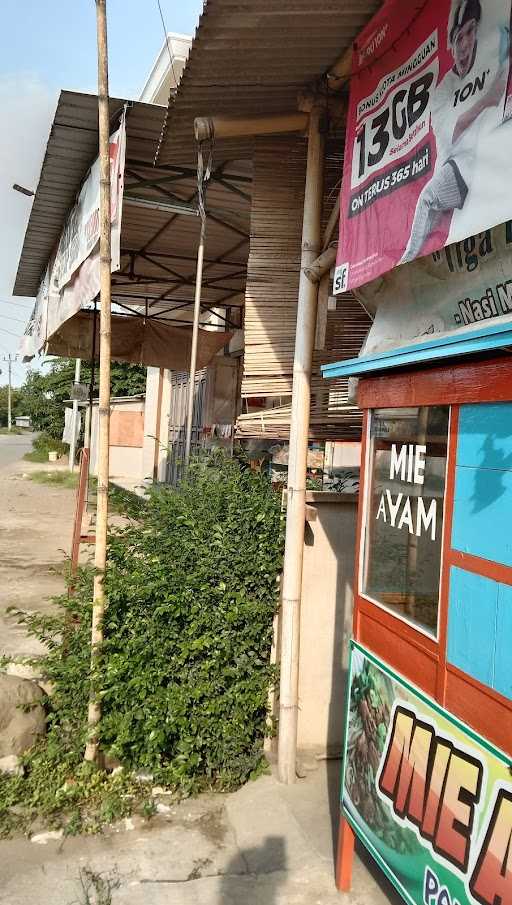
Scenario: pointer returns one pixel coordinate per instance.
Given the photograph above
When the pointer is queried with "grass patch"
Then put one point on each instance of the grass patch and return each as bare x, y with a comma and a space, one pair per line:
36, 455
13, 430
42, 445
55, 478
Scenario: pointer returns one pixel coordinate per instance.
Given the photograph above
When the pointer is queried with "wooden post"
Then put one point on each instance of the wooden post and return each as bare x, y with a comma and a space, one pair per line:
193, 351
345, 856
72, 448
100, 550
299, 429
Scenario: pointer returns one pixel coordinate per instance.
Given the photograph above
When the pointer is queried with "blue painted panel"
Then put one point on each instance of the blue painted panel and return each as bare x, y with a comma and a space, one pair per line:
485, 436
503, 655
482, 513
472, 614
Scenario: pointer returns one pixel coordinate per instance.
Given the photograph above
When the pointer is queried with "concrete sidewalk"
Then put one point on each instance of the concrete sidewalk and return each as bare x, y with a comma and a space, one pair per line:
264, 845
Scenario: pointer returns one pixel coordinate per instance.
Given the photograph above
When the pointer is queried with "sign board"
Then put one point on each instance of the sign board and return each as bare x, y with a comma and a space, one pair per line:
429, 133
80, 392
463, 286
72, 277
428, 797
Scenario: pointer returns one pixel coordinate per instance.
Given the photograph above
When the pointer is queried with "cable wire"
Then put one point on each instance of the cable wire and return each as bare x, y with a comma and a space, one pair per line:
166, 36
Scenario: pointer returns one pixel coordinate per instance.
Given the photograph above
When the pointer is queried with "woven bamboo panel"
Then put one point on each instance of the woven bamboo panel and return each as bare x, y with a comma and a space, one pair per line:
272, 292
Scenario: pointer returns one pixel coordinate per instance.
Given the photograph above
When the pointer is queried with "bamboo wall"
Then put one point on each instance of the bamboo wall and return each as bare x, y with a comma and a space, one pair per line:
271, 299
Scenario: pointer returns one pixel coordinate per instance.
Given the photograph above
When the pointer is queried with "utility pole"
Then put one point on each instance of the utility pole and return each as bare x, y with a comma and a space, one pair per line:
72, 447
100, 551
9, 359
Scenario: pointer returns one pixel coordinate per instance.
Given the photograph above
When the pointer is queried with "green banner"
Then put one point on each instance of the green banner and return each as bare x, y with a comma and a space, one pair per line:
429, 798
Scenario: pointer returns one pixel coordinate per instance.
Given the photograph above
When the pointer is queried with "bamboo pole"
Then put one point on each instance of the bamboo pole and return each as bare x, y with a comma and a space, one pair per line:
331, 223
193, 351
207, 128
321, 265
299, 427
340, 71
100, 550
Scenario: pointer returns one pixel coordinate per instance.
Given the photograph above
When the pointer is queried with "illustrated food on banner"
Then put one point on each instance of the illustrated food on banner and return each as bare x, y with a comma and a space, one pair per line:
429, 798
72, 277
429, 133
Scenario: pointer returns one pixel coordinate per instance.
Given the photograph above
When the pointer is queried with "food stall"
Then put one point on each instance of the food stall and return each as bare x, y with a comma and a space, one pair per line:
427, 775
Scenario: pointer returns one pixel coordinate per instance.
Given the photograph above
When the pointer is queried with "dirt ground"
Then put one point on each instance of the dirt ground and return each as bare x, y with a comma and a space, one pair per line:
36, 523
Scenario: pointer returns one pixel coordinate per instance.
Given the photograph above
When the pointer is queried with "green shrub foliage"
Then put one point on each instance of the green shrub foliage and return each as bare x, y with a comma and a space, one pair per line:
184, 675
192, 592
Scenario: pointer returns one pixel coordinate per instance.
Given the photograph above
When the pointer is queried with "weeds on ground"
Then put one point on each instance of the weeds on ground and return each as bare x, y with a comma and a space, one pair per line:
13, 430
120, 501
42, 446
55, 478
96, 889
184, 672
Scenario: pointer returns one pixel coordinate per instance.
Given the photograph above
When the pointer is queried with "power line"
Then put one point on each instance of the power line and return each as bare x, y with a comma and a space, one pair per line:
166, 36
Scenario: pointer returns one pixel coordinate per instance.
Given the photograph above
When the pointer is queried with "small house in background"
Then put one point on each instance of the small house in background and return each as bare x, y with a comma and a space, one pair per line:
23, 421
127, 442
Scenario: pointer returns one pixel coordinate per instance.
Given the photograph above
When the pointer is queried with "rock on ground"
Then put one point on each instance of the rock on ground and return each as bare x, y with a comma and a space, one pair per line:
19, 728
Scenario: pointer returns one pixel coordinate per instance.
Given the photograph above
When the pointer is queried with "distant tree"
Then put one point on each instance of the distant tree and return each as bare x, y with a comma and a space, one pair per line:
42, 395
16, 403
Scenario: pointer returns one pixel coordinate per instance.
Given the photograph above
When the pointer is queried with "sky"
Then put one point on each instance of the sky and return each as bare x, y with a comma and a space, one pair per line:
47, 45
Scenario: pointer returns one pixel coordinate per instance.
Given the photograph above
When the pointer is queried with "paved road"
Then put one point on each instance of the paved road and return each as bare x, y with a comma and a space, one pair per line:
14, 447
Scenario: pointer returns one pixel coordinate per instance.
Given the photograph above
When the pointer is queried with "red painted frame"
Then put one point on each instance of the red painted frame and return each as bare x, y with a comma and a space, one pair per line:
410, 652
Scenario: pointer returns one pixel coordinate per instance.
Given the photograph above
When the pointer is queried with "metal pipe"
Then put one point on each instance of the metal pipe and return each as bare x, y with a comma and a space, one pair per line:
72, 446
88, 420
172, 207
206, 128
158, 425
193, 350
100, 549
297, 460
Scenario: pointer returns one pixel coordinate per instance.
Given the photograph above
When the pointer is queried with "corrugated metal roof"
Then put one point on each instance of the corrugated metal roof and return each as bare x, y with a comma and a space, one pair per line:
158, 247
72, 148
250, 58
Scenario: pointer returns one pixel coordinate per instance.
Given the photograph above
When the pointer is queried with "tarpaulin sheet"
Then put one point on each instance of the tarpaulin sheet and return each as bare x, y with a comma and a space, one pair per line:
138, 341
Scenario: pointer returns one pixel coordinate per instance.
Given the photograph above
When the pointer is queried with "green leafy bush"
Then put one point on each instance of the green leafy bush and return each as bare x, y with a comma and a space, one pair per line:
185, 671
42, 445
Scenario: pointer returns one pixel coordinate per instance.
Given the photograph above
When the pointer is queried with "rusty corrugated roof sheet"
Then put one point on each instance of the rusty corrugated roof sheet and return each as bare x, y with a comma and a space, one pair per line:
72, 148
251, 57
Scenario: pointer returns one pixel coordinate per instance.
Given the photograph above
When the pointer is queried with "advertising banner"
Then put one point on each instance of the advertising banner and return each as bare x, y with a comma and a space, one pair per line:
462, 287
72, 278
429, 798
429, 133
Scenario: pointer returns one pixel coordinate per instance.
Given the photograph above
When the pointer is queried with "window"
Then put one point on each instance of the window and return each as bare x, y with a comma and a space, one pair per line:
402, 551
